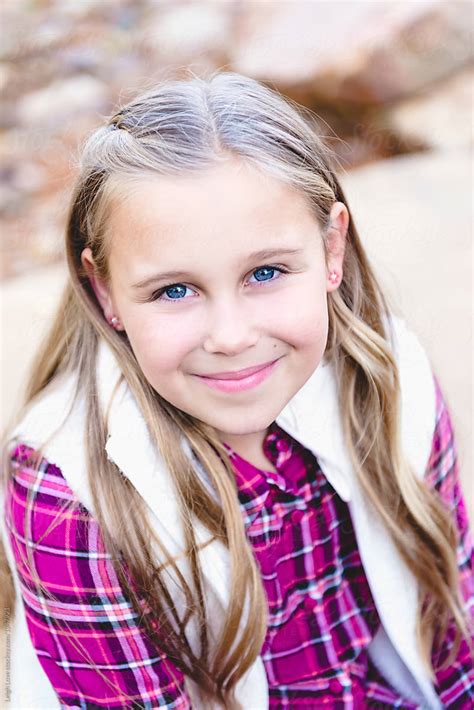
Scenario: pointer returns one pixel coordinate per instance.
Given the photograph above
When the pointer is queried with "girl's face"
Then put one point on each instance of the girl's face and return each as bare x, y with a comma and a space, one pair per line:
226, 308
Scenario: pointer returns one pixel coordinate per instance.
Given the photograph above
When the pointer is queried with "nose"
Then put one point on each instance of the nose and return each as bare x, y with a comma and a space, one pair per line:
231, 329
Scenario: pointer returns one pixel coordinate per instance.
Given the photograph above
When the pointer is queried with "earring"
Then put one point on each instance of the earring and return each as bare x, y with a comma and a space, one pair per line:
114, 322
334, 276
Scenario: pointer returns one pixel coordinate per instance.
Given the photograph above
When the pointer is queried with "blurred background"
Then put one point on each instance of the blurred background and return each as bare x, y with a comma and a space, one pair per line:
390, 84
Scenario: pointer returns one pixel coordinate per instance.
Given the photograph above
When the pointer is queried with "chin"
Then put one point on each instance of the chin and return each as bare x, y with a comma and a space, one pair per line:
244, 428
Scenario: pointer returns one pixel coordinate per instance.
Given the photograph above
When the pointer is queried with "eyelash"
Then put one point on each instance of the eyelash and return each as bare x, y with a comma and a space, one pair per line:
157, 295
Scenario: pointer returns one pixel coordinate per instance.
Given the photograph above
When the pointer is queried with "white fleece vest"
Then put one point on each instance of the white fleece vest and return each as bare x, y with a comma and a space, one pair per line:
312, 418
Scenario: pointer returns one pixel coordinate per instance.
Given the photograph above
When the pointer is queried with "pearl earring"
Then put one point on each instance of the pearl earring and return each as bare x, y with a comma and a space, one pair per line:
114, 322
334, 276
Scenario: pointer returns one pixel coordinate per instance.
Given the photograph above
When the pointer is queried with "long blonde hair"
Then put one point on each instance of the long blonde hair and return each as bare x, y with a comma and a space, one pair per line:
184, 126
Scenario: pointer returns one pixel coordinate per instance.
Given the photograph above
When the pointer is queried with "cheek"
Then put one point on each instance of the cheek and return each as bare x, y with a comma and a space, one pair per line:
159, 344
303, 319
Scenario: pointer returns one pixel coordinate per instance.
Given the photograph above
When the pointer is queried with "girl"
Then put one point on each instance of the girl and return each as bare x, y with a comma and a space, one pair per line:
235, 483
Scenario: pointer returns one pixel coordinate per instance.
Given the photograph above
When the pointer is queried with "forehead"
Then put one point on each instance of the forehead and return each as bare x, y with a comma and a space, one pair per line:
230, 207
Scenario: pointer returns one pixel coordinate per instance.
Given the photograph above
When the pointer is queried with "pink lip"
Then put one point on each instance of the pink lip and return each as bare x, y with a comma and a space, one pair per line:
252, 379
236, 374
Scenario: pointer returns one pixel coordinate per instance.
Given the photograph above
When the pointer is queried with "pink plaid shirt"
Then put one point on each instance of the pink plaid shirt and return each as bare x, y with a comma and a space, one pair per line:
321, 613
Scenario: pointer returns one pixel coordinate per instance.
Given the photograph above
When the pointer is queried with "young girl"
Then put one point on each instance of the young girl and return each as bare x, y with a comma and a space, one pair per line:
235, 482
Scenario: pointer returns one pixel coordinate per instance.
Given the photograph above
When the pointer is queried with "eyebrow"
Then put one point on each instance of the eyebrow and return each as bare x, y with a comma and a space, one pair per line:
257, 255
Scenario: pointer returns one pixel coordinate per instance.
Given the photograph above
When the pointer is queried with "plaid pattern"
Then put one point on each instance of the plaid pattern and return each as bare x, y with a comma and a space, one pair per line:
321, 613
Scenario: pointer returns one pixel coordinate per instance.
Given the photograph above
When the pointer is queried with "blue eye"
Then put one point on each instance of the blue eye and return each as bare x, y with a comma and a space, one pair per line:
264, 268
175, 292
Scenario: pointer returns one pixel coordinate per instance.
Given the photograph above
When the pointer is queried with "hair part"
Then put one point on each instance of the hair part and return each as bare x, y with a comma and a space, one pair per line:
182, 127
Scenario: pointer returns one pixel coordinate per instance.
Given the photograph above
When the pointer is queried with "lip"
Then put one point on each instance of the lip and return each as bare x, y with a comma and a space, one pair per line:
237, 374
238, 384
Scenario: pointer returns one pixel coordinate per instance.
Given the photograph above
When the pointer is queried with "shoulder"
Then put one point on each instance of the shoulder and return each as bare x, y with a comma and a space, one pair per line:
407, 348
78, 619
417, 392
48, 411
56, 546
443, 471
54, 426
43, 520
37, 493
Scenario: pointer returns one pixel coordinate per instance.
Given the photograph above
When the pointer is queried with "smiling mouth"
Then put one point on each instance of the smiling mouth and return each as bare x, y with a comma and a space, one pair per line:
239, 384
238, 374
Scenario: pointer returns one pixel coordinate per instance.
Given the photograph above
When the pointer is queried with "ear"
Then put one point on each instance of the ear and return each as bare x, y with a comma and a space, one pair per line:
336, 244
100, 287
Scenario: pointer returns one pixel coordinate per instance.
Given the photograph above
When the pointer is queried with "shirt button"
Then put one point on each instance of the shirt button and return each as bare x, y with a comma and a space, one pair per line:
335, 686
296, 516
282, 445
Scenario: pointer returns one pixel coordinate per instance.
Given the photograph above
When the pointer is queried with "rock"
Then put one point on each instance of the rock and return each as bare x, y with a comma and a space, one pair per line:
62, 101
6, 75
180, 32
28, 177
364, 52
11, 200
442, 117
